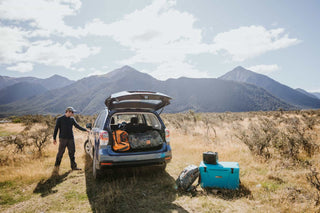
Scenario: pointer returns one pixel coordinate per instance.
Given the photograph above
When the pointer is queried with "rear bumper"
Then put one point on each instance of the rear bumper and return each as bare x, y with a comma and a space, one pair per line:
134, 163
135, 160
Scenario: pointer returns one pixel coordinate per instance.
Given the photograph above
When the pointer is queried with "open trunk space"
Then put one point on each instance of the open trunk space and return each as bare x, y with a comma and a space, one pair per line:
136, 132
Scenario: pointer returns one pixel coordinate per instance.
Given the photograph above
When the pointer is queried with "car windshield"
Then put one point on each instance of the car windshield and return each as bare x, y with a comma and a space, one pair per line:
147, 119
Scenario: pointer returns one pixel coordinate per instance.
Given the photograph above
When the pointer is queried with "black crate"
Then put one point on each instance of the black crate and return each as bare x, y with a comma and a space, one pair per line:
210, 157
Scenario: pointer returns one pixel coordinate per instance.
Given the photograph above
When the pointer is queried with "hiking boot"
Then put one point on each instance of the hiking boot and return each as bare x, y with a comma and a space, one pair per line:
76, 168
55, 171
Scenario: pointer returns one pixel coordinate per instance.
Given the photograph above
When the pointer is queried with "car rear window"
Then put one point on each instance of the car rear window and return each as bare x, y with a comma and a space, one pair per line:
148, 119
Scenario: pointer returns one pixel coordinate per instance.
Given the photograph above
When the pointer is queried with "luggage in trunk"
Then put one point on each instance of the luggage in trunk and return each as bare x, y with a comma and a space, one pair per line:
120, 139
147, 140
222, 175
187, 177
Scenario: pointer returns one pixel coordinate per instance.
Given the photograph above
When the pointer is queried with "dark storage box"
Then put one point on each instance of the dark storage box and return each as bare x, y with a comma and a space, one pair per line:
210, 157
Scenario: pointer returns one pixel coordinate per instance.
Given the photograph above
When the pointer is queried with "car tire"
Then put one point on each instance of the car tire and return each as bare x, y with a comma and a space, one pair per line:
86, 147
95, 172
163, 167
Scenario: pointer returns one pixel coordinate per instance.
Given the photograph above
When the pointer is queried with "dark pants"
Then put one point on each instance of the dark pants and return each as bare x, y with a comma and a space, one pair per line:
69, 143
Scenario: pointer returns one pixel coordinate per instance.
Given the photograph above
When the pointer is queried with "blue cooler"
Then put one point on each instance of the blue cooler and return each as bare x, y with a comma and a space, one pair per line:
222, 175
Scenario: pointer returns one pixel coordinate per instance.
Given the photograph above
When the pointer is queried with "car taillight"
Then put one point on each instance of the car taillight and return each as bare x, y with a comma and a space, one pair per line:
167, 135
104, 137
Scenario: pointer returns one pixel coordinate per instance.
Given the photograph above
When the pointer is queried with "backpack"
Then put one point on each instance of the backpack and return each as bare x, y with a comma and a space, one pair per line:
187, 177
121, 142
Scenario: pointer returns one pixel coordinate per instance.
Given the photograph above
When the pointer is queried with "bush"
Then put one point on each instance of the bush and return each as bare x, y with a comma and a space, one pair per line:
20, 142
259, 137
36, 139
290, 138
40, 138
314, 180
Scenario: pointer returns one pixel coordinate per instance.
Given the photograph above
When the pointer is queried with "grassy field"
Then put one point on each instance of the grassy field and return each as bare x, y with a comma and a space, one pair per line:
276, 152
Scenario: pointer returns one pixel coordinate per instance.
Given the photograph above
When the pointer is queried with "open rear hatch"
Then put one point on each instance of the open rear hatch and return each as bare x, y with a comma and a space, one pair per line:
137, 100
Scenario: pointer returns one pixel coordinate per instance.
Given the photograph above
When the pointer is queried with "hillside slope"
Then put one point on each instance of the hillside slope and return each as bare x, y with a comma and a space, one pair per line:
287, 94
19, 91
306, 93
215, 95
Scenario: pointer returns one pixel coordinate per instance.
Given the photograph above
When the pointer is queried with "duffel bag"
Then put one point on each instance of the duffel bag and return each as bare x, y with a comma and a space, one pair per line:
146, 140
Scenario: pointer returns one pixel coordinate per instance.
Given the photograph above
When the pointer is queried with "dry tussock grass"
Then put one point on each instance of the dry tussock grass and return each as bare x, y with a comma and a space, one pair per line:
268, 184
28, 167
277, 183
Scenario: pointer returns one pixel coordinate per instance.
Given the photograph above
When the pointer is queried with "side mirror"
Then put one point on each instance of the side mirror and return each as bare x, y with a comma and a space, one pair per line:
89, 125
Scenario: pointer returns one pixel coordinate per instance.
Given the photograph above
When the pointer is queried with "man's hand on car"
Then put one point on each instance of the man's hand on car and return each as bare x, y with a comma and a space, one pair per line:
54, 142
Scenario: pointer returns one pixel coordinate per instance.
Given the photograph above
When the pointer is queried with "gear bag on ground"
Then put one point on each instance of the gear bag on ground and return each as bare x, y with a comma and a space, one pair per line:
187, 177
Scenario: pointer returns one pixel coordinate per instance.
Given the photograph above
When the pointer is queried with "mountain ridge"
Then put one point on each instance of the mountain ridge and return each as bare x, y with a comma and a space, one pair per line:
52, 82
287, 94
14, 89
201, 95
307, 93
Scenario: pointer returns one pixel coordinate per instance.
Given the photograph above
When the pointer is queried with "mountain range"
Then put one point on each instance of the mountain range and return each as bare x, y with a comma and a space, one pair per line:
53, 82
236, 91
285, 93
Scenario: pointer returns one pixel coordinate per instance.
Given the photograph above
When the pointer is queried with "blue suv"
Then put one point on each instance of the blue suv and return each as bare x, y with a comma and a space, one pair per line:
134, 114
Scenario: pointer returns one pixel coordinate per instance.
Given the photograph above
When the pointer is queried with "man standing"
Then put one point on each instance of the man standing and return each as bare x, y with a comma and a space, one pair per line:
64, 125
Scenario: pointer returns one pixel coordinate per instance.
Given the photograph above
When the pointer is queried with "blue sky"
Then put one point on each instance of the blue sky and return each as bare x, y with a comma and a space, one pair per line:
166, 39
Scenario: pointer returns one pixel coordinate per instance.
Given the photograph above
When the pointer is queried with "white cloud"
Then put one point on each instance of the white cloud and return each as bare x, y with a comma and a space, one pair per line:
12, 43
57, 54
176, 69
21, 67
44, 52
314, 90
96, 72
18, 45
163, 36
46, 17
264, 69
157, 34
248, 42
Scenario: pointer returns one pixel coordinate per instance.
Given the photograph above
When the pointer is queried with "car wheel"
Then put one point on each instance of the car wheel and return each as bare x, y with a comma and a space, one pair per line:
87, 147
163, 166
95, 172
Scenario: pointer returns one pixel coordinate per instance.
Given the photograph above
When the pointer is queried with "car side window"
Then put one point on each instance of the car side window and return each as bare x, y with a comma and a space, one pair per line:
96, 123
153, 121
102, 119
